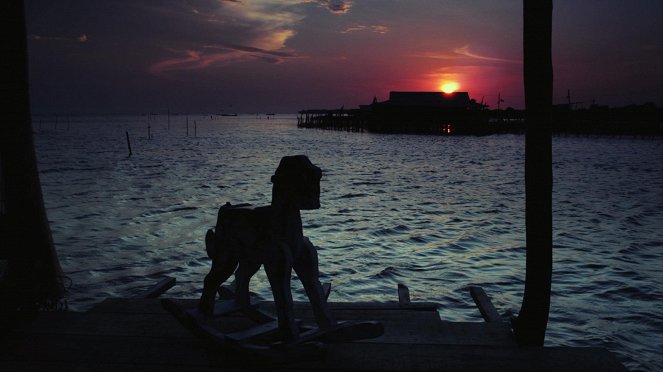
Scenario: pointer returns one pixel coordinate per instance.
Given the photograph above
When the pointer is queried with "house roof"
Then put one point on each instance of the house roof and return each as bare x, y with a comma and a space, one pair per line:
429, 99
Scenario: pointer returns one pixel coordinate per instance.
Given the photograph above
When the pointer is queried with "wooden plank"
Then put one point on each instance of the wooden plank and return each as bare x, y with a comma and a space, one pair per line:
143, 353
403, 295
158, 289
399, 357
412, 340
343, 332
230, 306
392, 305
260, 330
117, 325
374, 314
486, 308
110, 349
132, 305
86, 366
412, 330
401, 325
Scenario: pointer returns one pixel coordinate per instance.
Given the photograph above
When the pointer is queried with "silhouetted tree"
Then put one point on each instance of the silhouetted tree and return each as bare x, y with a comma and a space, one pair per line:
530, 326
31, 275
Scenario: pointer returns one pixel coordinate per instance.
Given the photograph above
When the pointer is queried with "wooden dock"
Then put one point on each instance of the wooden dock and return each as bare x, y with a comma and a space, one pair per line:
136, 334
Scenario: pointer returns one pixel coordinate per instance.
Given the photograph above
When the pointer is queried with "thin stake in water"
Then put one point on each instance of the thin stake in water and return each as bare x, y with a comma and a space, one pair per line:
128, 143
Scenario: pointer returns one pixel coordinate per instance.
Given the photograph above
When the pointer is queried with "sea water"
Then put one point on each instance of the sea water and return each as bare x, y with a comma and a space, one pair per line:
438, 214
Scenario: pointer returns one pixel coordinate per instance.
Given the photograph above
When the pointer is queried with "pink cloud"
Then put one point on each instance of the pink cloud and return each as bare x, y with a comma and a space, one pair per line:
378, 29
211, 55
465, 51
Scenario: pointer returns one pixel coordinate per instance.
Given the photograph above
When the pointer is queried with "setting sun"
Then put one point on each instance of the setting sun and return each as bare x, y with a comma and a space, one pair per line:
449, 87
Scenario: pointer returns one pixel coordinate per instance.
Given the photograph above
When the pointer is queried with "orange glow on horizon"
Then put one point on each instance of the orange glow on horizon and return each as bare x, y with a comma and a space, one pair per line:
449, 87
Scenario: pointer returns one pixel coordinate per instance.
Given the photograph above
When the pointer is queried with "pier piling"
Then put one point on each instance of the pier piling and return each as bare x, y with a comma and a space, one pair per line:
128, 143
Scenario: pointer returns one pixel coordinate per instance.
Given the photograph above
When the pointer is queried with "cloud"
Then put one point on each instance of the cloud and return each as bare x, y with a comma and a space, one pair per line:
246, 30
216, 55
83, 38
169, 35
465, 51
229, 32
378, 29
433, 55
336, 6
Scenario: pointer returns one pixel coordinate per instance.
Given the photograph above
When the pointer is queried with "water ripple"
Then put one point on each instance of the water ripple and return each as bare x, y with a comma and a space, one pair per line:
435, 213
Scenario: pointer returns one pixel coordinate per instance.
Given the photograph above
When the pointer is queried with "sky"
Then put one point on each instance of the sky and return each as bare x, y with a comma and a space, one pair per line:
258, 56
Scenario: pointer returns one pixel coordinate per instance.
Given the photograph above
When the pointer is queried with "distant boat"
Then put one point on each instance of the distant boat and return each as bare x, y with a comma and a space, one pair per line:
228, 114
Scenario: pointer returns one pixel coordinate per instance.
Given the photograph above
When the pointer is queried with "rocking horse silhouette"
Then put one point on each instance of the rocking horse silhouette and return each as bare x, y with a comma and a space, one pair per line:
246, 238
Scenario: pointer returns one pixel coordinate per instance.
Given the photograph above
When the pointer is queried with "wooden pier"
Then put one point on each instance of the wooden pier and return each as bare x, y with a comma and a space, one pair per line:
394, 119
347, 120
137, 334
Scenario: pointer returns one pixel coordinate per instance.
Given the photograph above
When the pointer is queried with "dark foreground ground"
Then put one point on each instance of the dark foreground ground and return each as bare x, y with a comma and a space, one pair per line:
138, 335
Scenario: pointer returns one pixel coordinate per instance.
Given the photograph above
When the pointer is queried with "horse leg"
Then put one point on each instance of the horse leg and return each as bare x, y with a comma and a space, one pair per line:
279, 268
243, 276
306, 267
223, 264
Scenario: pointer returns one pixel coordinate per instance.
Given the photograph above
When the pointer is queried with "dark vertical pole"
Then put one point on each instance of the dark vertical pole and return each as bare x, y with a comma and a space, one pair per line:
34, 276
195, 129
530, 326
187, 125
128, 143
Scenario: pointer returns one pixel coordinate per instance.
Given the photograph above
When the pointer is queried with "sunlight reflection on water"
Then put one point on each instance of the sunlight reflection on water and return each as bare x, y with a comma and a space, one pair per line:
437, 214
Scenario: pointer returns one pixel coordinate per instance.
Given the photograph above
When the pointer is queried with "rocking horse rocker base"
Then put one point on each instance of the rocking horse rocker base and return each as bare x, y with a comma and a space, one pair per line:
261, 338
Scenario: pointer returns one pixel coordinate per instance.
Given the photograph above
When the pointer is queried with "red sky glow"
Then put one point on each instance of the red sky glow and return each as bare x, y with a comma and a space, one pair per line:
285, 55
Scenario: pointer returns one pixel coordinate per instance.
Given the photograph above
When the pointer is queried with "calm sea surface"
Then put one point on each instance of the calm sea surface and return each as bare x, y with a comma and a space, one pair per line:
437, 214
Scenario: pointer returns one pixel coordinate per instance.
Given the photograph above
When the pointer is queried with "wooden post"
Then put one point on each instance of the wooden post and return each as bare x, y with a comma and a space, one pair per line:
530, 326
485, 306
128, 143
195, 129
403, 295
33, 278
159, 288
